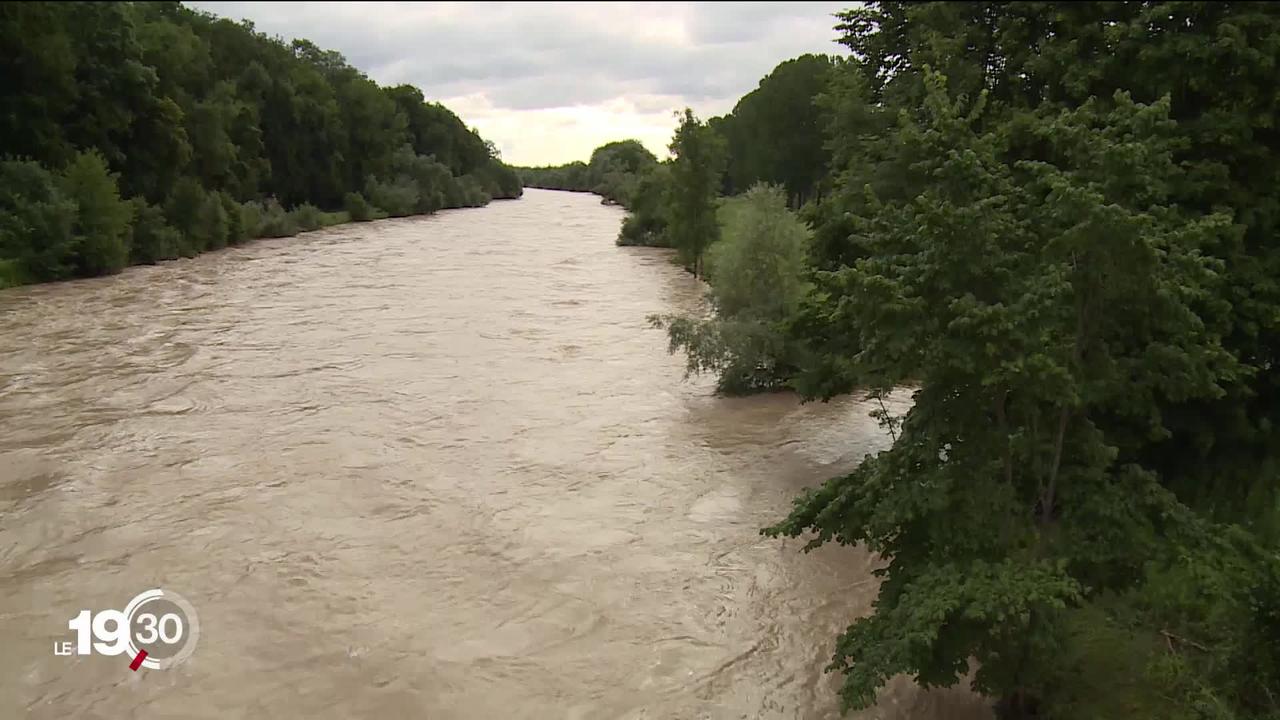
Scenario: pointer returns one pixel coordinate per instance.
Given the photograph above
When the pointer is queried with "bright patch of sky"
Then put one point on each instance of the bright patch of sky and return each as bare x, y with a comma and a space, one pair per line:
548, 83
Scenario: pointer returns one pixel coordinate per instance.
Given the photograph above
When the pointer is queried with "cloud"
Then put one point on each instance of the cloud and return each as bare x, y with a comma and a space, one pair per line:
549, 82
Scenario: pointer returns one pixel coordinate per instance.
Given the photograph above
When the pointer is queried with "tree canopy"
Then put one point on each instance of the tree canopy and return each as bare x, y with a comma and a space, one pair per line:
199, 116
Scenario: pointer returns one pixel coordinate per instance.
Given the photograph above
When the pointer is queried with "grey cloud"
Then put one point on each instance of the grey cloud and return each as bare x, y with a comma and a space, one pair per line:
529, 56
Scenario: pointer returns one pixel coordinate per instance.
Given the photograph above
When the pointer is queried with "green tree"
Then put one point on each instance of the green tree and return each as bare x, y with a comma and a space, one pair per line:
757, 278
699, 158
153, 239
1041, 304
646, 221
775, 132
37, 80
358, 209
37, 221
102, 218
214, 122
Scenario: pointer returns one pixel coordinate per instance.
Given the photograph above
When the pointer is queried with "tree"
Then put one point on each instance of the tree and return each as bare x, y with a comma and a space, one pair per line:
207, 118
695, 181
775, 132
37, 220
756, 273
102, 218
1041, 304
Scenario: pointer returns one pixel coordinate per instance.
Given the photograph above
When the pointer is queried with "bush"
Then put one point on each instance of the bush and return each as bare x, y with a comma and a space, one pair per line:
36, 224
236, 231
471, 192
10, 274
213, 228
757, 278
643, 230
153, 239
328, 219
398, 199
307, 217
273, 221
357, 207
500, 180
646, 223
251, 218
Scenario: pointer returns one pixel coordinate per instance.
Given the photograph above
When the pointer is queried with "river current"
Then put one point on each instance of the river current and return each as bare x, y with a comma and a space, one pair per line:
434, 467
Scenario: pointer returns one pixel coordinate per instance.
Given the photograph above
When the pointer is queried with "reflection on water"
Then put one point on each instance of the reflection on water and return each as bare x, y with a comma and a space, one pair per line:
435, 467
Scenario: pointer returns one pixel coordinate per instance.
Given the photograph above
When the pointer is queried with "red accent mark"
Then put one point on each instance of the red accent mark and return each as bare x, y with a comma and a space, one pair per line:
137, 662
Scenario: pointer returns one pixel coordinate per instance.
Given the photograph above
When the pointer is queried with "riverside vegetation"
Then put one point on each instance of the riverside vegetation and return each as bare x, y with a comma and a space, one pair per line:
140, 132
1056, 223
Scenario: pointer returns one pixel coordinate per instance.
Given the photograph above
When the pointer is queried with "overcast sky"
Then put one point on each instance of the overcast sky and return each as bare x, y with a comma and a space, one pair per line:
548, 83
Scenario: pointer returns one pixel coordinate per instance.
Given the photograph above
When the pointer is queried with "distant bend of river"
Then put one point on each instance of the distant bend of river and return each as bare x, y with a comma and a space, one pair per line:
432, 467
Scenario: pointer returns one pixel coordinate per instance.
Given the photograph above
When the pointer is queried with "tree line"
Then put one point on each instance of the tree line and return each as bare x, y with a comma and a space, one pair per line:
139, 132
1055, 224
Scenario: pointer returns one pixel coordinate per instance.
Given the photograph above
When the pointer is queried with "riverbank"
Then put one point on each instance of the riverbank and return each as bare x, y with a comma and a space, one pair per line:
268, 223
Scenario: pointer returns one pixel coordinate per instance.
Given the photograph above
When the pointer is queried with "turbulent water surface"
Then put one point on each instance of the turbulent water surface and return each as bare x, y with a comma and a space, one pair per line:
435, 467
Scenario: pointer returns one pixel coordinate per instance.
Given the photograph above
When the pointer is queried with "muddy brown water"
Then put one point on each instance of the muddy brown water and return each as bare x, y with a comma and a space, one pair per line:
434, 467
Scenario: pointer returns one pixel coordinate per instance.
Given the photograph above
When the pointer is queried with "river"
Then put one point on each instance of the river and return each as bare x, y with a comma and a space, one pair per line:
431, 467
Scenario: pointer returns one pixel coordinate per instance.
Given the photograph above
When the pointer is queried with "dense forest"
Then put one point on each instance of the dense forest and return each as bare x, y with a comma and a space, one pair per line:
139, 132
1055, 224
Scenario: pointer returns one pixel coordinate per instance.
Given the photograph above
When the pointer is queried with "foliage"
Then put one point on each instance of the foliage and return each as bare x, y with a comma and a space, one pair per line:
102, 218
306, 217
270, 220
37, 222
153, 238
357, 207
614, 173
234, 218
573, 177
756, 273
699, 158
1060, 247
646, 223
775, 132
398, 199
195, 114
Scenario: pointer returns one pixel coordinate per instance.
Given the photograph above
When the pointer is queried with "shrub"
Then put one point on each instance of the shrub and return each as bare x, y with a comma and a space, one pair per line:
757, 278
398, 198
236, 231
251, 218
212, 230
643, 230
153, 239
307, 217
471, 192
274, 222
646, 224
357, 207
186, 211
10, 274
